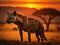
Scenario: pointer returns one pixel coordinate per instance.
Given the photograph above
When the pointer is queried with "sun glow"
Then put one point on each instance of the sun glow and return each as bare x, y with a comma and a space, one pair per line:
31, 5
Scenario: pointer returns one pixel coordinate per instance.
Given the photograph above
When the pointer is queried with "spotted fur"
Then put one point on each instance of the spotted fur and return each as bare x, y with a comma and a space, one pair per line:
29, 25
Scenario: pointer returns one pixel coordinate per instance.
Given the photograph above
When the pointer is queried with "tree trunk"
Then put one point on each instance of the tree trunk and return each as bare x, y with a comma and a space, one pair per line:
47, 26
47, 23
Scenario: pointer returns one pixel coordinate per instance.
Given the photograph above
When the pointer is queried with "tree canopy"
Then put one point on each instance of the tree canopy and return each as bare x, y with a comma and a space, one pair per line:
50, 13
47, 11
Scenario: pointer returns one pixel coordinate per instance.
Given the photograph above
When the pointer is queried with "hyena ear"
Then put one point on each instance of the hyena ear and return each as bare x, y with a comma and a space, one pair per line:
14, 13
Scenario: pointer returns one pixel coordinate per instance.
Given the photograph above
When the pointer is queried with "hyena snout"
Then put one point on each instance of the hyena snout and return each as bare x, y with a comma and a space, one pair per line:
8, 21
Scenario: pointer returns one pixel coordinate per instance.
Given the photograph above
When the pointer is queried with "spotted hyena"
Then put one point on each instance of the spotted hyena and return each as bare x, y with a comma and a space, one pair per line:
29, 25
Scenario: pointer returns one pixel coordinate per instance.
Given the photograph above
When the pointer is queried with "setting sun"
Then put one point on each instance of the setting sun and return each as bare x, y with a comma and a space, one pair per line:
30, 5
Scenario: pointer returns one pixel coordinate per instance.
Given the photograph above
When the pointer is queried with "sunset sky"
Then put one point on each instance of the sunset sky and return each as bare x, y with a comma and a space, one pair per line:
29, 3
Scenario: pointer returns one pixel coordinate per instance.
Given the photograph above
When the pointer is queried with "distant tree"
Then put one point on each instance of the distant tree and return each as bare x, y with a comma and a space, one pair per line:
47, 14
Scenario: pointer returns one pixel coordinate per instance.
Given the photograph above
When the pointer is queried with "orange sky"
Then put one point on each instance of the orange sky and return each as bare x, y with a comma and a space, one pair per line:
31, 3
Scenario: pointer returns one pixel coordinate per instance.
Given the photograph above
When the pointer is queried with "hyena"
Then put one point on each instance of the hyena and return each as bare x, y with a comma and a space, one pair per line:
29, 25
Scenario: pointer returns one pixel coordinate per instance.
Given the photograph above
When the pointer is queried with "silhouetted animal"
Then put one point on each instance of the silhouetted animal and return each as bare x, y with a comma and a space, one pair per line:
29, 25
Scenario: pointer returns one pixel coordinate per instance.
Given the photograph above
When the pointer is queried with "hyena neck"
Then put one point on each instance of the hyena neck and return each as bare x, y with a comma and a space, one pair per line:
17, 22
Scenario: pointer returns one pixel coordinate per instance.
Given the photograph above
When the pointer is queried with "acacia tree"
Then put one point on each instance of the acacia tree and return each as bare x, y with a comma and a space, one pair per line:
47, 14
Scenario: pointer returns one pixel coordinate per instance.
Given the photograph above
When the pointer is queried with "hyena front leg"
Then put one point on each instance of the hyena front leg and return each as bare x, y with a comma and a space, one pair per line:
29, 36
21, 35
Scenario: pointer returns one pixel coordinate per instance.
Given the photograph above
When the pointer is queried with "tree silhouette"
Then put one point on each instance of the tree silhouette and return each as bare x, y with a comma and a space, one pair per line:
47, 14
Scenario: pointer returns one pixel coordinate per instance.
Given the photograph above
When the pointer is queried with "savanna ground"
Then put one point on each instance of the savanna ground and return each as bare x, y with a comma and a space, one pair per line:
53, 37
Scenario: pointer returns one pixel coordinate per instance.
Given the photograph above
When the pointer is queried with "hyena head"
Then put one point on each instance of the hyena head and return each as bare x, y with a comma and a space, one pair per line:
11, 17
